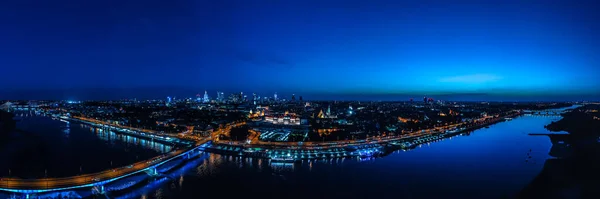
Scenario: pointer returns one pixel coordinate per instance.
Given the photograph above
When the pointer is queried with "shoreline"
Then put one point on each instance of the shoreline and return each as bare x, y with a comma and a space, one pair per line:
361, 148
138, 134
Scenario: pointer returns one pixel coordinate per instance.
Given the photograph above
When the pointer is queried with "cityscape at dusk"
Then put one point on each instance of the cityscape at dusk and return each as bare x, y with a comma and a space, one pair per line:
300, 99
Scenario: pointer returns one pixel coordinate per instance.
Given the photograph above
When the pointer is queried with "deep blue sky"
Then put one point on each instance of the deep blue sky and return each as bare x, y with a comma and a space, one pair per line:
326, 49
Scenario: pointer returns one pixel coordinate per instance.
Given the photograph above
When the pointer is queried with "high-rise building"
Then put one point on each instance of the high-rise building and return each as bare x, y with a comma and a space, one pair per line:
328, 110
275, 96
293, 97
221, 97
300, 98
205, 99
198, 99
424, 99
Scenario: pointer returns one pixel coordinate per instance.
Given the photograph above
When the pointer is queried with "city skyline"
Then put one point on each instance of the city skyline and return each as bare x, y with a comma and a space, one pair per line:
182, 93
370, 99
501, 49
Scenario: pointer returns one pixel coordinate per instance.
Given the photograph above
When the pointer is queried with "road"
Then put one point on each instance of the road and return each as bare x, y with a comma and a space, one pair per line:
371, 140
87, 179
115, 125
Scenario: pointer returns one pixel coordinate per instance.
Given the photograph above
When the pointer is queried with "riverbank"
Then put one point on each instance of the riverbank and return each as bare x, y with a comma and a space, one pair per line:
361, 148
158, 138
581, 122
572, 172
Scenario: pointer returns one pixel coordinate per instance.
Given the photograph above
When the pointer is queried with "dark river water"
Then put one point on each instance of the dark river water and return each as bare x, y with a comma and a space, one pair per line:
486, 163
43, 146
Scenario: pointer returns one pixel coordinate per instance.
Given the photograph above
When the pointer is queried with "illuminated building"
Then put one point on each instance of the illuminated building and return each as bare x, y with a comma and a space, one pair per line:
326, 131
220, 96
327, 114
350, 110
293, 97
275, 96
285, 119
206, 99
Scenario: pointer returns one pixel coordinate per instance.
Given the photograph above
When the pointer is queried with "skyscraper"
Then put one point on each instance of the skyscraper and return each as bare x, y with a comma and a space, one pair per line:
275, 96
205, 99
220, 97
293, 97
300, 98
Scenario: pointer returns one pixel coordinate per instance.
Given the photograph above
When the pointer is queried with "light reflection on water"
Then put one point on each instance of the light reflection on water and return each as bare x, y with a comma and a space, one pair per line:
112, 137
64, 148
486, 163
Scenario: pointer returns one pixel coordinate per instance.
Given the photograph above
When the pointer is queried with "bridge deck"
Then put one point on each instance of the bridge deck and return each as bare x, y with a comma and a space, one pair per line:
87, 180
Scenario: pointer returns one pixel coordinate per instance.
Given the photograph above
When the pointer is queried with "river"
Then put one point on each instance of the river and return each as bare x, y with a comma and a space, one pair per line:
42, 146
493, 162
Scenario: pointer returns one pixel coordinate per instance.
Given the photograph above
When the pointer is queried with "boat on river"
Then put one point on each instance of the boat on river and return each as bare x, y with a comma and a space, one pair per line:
284, 159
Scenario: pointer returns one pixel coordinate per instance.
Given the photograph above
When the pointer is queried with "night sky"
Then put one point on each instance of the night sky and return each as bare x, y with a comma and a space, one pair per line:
465, 50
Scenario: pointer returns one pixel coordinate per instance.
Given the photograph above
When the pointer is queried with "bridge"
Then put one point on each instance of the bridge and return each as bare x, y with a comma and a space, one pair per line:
9, 106
97, 180
544, 113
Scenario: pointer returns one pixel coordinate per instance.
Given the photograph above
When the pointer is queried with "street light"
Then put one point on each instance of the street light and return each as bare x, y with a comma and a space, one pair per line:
46, 176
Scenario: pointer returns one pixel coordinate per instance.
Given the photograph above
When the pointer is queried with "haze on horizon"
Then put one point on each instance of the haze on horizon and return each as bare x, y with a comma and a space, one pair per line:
502, 50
